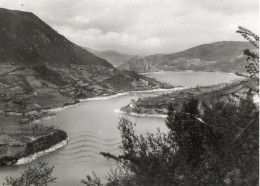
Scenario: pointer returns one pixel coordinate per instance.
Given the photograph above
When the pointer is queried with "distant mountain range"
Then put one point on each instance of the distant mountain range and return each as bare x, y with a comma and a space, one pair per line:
139, 65
225, 56
113, 57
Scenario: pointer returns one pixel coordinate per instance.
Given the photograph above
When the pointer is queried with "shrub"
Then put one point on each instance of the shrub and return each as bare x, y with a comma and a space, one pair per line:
37, 175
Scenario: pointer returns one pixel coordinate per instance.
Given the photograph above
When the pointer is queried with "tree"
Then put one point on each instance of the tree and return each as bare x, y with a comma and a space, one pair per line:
170, 115
160, 159
145, 160
38, 175
236, 160
218, 146
190, 133
252, 55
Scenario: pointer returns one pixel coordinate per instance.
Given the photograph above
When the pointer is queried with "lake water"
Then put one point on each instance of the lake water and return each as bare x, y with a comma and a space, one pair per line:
92, 128
192, 79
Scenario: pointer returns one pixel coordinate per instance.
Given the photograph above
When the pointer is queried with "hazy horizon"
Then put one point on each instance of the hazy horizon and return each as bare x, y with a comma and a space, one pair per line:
144, 27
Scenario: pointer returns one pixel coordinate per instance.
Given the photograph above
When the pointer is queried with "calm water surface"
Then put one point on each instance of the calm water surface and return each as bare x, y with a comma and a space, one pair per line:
92, 128
192, 79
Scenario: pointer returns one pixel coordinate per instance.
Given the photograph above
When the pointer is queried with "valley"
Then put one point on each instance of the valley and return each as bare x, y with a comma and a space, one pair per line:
40, 69
160, 119
91, 127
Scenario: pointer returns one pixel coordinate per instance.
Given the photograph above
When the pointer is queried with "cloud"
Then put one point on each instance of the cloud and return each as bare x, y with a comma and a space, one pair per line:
144, 27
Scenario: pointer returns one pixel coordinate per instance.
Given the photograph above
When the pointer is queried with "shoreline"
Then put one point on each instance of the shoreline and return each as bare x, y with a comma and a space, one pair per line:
118, 111
158, 72
26, 152
36, 155
159, 90
105, 97
62, 143
32, 157
186, 71
81, 101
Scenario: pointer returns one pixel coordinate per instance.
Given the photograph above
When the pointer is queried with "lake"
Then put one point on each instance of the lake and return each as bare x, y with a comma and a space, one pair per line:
92, 128
192, 79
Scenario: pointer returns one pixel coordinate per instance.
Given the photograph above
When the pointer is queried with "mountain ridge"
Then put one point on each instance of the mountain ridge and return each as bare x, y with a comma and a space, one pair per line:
223, 56
27, 43
40, 70
112, 56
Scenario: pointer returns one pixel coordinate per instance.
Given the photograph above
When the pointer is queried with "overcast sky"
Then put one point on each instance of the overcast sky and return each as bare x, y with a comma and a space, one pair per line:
144, 26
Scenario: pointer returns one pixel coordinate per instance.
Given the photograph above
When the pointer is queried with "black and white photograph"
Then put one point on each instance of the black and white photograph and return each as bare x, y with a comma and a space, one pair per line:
129, 92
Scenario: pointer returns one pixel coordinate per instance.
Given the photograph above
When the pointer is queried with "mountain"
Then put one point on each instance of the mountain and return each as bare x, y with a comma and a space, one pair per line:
226, 56
39, 70
37, 61
113, 57
139, 65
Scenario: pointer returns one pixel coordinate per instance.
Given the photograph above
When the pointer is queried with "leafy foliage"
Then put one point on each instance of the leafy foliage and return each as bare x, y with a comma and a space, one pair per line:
213, 143
150, 157
119, 176
236, 160
38, 175
191, 133
252, 55
218, 146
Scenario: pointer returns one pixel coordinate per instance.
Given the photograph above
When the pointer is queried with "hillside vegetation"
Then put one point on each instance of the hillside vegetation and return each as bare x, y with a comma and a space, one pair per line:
40, 69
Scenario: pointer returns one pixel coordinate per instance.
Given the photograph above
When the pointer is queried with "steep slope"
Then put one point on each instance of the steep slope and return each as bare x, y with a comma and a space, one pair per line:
139, 65
36, 60
40, 69
113, 57
25, 39
223, 56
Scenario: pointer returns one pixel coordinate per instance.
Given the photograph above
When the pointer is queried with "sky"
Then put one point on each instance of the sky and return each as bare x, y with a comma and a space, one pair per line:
144, 27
